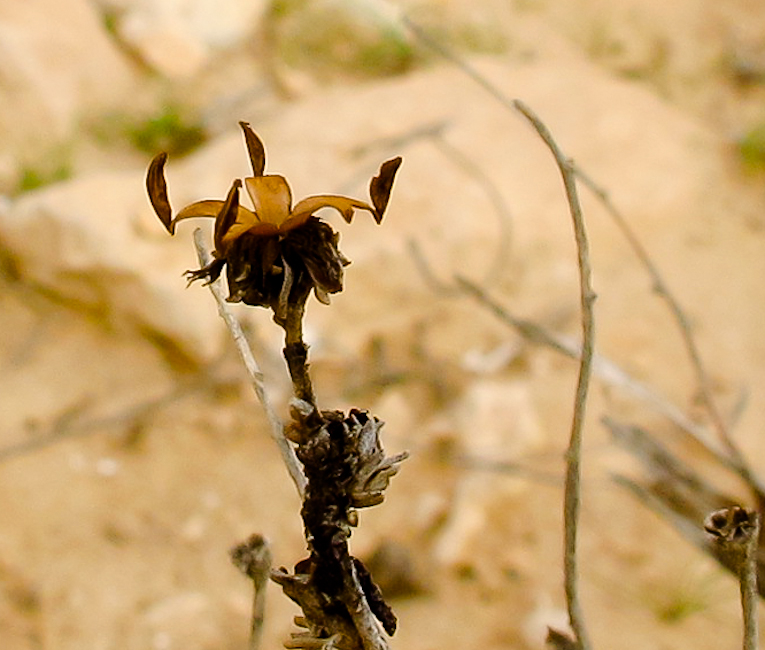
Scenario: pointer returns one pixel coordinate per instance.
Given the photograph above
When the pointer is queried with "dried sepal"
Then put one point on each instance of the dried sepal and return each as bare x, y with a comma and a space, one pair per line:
255, 149
373, 471
156, 187
298, 429
209, 273
373, 479
381, 185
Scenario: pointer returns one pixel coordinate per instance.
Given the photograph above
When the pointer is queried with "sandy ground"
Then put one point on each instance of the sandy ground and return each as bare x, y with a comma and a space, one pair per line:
129, 466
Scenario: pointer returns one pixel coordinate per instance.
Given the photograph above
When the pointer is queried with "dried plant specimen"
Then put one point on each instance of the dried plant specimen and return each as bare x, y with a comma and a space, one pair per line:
277, 250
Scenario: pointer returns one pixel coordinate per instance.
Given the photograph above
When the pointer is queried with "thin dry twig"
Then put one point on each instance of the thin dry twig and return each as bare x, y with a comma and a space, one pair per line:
73, 423
662, 289
749, 591
603, 368
660, 286
253, 558
276, 426
738, 529
572, 500
677, 492
457, 60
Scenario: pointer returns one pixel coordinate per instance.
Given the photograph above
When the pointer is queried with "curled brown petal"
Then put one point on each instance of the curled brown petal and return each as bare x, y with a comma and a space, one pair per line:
382, 184
227, 216
345, 205
211, 208
255, 148
156, 186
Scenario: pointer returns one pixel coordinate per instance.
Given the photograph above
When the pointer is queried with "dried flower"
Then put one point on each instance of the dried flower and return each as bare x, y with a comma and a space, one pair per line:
277, 252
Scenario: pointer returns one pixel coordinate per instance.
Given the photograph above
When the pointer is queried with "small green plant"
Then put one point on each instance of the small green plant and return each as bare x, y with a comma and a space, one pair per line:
171, 130
675, 603
54, 166
751, 148
34, 177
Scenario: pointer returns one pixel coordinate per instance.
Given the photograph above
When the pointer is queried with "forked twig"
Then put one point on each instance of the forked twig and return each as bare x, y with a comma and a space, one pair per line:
734, 455
603, 368
572, 500
731, 456
276, 426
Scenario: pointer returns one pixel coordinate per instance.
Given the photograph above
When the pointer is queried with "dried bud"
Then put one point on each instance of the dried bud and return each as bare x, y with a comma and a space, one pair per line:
734, 524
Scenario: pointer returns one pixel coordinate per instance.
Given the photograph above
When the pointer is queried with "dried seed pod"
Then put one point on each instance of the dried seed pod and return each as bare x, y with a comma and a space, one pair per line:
734, 524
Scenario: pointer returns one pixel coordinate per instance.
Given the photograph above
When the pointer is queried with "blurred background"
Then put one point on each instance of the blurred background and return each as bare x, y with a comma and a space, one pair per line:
133, 454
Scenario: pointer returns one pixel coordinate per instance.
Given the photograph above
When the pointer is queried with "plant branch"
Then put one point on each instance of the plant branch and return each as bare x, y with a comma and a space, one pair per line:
678, 313
572, 499
738, 530
749, 594
296, 350
276, 426
602, 367
677, 493
253, 558
457, 60
660, 286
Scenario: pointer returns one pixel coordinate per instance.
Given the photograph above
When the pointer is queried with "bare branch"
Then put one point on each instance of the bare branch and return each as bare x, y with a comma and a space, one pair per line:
683, 324
603, 368
460, 62
677, 493
572, 500
738, 529
276, 425
660, 286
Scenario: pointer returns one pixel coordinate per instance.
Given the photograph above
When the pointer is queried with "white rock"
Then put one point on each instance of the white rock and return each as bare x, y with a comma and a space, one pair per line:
57, 63
177, 36
82, 241
498, 423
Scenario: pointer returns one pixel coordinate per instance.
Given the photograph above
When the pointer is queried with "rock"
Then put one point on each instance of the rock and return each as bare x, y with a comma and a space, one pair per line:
58, 65
84, 242
177, 38
180, 620
499, 424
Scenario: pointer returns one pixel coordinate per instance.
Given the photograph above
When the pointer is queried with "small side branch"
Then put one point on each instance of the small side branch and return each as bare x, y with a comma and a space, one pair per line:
253, 558
572, 499
253, 370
